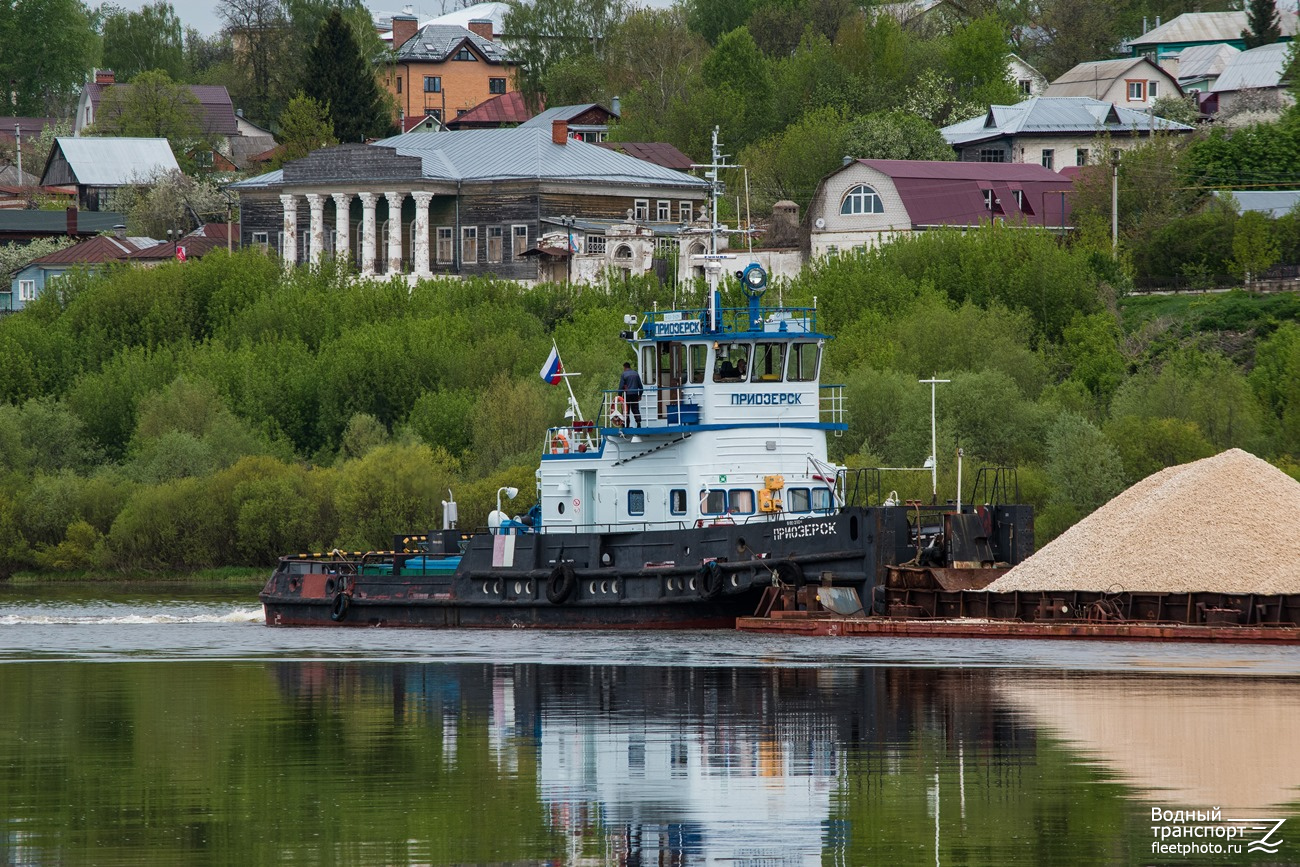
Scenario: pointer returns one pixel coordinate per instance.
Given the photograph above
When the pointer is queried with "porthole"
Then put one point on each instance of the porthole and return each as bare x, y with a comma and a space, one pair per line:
518, 588
591, 589
614, 586
735, 580
561, 507
692, 585
485, 588
604, 586
529, 588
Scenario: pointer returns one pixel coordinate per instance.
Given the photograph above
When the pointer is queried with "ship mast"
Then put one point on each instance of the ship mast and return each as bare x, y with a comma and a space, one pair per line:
713, 259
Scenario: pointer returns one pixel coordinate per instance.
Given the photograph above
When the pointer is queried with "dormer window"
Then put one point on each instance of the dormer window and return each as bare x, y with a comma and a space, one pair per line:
464, 54
862, 199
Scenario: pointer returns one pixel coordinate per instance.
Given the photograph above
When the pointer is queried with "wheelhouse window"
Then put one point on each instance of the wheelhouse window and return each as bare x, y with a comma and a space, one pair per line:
677, 501
769, 362
797, 500
821, 499
731, 363
862, 199
803, 362
636, 502
699, 360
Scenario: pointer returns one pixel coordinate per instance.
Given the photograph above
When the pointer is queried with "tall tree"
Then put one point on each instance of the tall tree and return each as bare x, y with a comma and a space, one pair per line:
259, 30
337, 76
46, 46
545, 34
304, 126
1262, 24
148, 39
154, 106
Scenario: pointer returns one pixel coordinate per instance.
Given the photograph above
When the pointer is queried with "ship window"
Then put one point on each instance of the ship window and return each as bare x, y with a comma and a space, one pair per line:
821, 499
769, 362
699, 360
713, 502
731, 362
796, 500
741, 502
803, 362
677, 501
647, 365
636, 502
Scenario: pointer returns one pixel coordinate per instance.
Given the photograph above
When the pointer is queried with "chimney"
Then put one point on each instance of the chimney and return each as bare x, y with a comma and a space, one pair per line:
119, 231
72, 222
105, 76
481, 27
615, 107
559, 131
404, 27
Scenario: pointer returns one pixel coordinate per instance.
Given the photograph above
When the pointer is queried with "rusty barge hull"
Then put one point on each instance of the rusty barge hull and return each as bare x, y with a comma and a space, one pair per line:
882, 627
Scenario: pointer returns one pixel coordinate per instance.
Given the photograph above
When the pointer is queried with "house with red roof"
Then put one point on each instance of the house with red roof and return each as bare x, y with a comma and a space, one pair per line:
29, 281
869, 202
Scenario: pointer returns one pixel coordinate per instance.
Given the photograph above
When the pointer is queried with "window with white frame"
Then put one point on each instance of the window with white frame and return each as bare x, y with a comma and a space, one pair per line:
665, 245
862, 199
1136, 91
663, 210
468, 245
1020, 198
444, 249
1049, 158
988, 199
685, 212
26, 290
1026, 86
518, 241
1153, 88
595, 244
1081, 156
641, 209
991, 155
495, 241
261, 239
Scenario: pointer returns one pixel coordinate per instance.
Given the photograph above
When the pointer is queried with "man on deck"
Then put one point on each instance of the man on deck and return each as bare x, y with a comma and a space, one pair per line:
629, 388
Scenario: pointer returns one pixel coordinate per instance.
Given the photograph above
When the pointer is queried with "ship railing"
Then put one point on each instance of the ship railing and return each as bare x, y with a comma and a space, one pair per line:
831, 404
577, 437
668, 406
864, 486
736, 320
994, 486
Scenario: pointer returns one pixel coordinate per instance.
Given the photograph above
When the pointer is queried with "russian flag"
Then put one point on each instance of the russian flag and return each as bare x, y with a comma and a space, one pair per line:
552, 369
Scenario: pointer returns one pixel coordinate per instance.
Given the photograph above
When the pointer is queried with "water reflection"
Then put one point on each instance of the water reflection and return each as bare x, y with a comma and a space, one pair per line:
325, 761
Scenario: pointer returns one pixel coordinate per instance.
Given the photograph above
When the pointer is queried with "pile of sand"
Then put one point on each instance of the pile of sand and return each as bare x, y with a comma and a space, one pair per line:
1225, 524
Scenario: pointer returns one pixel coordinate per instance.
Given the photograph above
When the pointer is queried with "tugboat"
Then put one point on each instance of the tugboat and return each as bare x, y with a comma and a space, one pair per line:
706, 497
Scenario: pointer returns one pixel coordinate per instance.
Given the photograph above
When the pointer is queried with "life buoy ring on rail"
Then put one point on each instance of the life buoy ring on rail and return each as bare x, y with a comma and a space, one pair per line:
339, 609
560, 586
618, 412
789, 572
711, 581
559, 444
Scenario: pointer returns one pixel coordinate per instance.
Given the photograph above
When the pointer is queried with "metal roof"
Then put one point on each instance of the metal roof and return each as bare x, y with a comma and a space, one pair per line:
512, 154
1258, 67
436, 42
507, 108
1275, 203
1207, 27
494, 12
657, 152
215, 112
101, 248
114, 162
566, 113
1203, 61
56, 222
1054, 115
1093, 79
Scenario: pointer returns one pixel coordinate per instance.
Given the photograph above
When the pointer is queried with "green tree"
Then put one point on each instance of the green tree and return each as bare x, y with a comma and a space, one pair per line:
339, 77
261, 30
896, 135
974, 58
1262, 24
1254, 248
742, 81
712, 18
545, 34
46, 46
150, 38
1084, 471
304, 127
789, 164
154, 106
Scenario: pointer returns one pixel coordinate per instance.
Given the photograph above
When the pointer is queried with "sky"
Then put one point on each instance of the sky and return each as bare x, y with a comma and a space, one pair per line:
202, 14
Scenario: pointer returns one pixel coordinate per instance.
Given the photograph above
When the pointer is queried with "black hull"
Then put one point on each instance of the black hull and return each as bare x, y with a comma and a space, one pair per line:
650, 579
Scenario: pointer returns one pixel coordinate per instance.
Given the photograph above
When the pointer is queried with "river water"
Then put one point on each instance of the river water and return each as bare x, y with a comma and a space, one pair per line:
157, 726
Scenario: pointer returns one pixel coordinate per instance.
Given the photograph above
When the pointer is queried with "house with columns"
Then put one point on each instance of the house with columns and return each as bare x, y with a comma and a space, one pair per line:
466, 203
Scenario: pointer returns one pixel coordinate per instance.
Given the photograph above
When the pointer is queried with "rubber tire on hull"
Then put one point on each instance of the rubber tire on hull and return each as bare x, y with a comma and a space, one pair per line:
561, 584
789, 572
711, 580
339, 609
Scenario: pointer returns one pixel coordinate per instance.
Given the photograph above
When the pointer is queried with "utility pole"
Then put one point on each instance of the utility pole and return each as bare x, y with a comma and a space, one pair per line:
933, 461
1114, 204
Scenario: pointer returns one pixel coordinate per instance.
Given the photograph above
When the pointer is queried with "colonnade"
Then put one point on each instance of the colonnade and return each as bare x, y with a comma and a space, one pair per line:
369, 242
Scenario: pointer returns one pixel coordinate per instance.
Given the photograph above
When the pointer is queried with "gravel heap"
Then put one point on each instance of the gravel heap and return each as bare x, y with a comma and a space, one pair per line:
1224, 524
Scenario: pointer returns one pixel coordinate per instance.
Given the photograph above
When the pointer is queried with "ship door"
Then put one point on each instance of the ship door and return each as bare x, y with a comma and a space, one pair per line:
672, 374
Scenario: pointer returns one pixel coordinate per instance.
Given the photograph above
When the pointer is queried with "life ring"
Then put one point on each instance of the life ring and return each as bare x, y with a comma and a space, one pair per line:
559, 444
789, 572
711, 581
339, 609
561, 584
618, 412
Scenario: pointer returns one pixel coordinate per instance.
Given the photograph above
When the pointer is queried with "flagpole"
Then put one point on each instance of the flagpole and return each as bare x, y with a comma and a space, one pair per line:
573, 400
